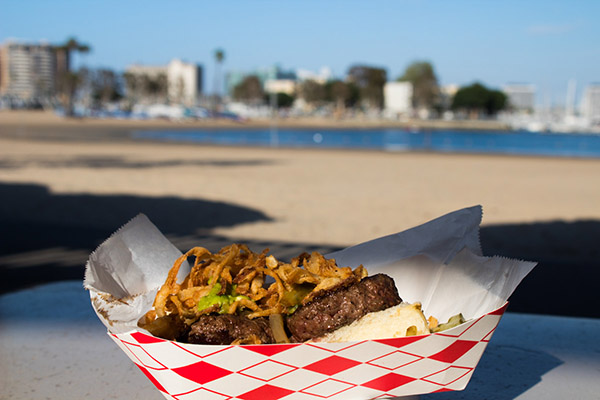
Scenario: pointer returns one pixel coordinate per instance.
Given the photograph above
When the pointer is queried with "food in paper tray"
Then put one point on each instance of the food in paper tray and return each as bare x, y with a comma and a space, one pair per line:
237, 296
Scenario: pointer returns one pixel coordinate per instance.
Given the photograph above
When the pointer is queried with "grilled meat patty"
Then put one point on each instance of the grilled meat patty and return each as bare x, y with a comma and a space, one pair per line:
342, 306
228, 328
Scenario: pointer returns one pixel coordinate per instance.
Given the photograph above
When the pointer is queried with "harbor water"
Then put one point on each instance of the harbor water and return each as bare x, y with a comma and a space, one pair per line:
443, 141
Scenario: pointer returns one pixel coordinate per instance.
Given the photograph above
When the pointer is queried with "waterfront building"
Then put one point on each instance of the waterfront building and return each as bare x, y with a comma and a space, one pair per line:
184, 82
287, 86
397, 98
274, 73
521, 97
146, 84
177, 82
28, 71
590, 103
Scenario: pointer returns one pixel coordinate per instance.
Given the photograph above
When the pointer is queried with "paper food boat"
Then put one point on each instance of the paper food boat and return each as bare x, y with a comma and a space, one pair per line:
438, 263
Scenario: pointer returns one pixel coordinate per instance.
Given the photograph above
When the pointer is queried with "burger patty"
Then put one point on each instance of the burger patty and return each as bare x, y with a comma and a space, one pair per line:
228, 328
342, 306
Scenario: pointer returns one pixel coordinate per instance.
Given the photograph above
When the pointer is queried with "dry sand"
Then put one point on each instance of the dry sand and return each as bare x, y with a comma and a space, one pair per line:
63, 182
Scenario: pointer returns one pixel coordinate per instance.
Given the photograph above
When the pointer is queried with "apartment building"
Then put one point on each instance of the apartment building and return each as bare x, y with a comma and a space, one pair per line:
185, 82
27, 71
590, 102
521, 97
177, 82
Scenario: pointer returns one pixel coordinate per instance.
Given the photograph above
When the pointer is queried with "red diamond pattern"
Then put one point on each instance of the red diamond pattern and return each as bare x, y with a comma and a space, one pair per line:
270, 349
201, 372
142, 338
455, 351
400, 342
388, 382
274, 368
242, 372
266, 392
394, 360
332, 365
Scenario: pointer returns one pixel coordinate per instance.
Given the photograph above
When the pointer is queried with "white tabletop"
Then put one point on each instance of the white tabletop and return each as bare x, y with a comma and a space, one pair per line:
52, 346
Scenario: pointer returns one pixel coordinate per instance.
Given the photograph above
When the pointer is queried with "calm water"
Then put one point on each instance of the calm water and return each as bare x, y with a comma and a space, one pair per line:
444, 141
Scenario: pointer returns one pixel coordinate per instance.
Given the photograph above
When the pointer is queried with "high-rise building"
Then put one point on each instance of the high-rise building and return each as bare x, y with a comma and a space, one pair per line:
590, 102
521, 97
27, 71
179, 82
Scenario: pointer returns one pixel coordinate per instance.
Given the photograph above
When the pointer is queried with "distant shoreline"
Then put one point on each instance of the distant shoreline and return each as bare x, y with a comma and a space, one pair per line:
37, 123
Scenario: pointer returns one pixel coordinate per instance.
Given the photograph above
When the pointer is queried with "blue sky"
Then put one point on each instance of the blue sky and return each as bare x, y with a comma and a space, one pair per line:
495, 42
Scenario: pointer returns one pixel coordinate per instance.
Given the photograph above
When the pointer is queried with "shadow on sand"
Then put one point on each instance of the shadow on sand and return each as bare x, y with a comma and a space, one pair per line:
47, 237
104, 162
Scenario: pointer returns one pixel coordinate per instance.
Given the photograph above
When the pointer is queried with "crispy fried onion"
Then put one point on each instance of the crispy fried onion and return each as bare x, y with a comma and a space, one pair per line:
238, 280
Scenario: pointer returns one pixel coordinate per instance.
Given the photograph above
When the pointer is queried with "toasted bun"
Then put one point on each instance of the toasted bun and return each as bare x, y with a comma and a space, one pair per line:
402, 320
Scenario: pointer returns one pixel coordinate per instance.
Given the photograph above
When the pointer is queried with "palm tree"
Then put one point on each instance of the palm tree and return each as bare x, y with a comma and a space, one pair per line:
72, 45
67, 80
219, 57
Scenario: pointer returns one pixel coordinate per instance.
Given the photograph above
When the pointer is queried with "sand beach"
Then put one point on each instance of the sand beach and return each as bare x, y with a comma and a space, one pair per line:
66, 185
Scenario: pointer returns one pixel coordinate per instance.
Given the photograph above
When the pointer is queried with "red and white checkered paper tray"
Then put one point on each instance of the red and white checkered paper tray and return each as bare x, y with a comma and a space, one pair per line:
438, 263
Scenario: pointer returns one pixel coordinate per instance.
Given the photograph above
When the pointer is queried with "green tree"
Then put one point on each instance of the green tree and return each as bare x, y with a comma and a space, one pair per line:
67, 80
424, 82
312, 92
283, 100
157, 87
249, 90
105, 86
370, 82
339, 92
478, 98
132, 84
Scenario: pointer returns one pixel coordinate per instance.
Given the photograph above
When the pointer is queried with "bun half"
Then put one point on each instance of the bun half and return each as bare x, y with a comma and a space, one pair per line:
402, 320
